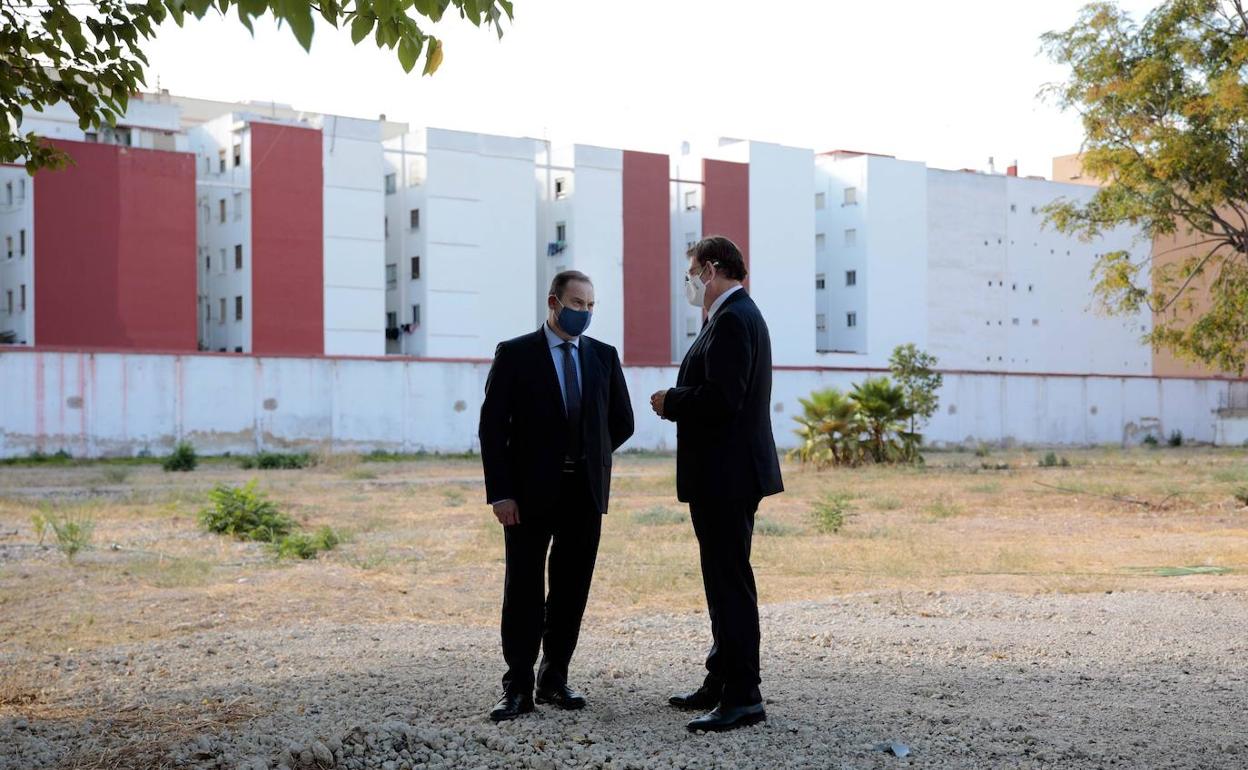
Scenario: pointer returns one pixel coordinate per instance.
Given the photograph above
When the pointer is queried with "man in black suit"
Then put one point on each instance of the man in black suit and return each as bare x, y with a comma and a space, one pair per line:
556, 407
725, 464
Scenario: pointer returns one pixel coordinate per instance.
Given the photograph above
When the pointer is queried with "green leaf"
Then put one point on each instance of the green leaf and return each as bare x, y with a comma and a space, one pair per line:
409, 52
299, 15
330, 11
360, 27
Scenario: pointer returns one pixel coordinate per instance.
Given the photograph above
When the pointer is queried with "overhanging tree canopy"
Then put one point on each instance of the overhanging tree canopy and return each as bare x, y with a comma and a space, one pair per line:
89, 55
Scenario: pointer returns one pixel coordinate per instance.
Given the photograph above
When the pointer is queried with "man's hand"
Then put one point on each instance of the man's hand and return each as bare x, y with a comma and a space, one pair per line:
656, 401
507, 512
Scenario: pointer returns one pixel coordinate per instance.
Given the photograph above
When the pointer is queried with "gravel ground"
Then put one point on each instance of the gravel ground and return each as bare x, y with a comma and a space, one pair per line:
1133, 680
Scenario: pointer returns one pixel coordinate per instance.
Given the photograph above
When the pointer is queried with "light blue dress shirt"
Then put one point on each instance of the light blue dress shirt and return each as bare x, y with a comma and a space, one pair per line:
556, 355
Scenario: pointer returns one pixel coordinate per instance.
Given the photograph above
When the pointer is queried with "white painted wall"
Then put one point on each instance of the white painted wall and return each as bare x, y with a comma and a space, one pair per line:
1007, 294
597, 236
217, 277
17, 264
480, 233
782, 252
134, 402
354, 246
896, 269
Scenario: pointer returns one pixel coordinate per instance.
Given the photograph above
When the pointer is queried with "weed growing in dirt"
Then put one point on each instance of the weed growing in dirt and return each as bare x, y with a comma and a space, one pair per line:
830, 512
244, 513
1051, 460
942, 507
306, 545
73, 533
115, 474
277, 461
1241, 495
182, 459
659, 516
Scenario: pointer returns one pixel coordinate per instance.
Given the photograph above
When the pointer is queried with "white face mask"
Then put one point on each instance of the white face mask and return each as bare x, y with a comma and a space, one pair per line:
695, 290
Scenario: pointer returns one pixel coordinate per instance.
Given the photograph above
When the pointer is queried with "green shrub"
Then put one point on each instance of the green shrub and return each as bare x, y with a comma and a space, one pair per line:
182, 459
829, 513
1150, 441
244, 513
306, 545
1241, 495
982, 450
73, 533
1176, 438
267, 461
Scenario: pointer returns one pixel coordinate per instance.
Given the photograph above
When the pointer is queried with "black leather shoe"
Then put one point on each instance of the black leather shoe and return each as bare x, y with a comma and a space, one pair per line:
512, 705
721, 719
563, 697
699, 700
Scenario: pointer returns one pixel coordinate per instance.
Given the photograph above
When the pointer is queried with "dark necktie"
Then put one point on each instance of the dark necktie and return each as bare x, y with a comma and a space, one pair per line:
572, 400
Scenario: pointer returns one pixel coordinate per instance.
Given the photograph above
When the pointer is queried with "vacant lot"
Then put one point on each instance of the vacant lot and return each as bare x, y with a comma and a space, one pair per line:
985, 610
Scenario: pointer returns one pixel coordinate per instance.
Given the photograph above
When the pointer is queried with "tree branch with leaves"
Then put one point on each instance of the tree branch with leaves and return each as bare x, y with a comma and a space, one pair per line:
89, 55
1164, 106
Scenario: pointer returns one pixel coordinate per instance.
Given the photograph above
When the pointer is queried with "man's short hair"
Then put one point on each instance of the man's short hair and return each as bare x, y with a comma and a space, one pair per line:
722, 253
563, 279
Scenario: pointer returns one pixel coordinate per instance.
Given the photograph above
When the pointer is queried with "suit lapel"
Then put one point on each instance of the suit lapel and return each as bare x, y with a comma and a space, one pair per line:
546, 371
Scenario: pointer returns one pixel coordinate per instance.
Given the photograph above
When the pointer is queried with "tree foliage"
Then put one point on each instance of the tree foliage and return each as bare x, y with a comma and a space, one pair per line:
89, 55
1164, 105
912, 369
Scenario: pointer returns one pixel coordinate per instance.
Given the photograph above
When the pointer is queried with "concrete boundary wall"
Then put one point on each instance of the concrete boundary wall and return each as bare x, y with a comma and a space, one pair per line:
99, 404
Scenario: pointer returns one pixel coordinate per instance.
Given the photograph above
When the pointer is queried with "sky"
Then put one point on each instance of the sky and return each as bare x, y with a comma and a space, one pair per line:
949, 83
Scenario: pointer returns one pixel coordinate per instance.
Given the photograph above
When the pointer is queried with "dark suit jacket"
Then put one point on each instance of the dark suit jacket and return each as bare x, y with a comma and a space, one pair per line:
524, 429
722, 407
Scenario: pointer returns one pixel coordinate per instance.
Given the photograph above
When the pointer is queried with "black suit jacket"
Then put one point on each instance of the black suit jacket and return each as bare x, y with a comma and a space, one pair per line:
722, 407
523, 427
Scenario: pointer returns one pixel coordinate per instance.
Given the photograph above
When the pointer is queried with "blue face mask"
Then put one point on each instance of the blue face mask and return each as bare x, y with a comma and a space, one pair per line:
573, 322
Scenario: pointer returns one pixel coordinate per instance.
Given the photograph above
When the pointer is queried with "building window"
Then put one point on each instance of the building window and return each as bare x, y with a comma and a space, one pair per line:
238, 206
415, 315
22, 307
238, 308
21, 239
561, 187
221, 160
392, 276
391, 184
221, 210
221, 264
208, 263
851, 237
691, 200
415, 268
819, 200
851, 277
8, 193
851, 320
561, 231
821, 282
208, 307
221, 315
821, 241
8, 246
821, 322
851, 196
392, 320
238, 256
386, 226
415, 218
1014, 321
1013, 208
21, 190
238, 154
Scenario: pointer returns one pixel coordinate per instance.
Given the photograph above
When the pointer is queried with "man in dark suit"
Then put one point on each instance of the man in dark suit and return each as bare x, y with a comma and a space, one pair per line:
725, 464
556, 407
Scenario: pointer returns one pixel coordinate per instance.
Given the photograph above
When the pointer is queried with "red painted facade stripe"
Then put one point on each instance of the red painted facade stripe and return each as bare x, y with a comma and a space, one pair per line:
647, 246
287, 241
115, 241
726, 208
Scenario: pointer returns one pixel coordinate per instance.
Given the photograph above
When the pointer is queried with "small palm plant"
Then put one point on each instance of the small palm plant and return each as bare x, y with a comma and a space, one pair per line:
882, 414
826, 429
